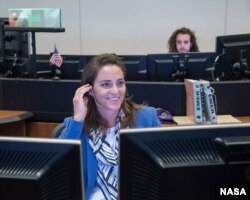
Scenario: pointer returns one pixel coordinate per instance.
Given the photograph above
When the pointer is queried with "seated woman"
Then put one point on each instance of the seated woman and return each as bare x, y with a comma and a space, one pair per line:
100, 111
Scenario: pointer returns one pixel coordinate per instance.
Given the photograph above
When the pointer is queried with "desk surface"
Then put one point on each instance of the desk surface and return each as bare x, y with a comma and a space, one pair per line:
245, 119
186, 121
9, 116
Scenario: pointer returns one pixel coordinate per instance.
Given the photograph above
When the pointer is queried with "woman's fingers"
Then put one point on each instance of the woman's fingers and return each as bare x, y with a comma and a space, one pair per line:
83, 90
80, 102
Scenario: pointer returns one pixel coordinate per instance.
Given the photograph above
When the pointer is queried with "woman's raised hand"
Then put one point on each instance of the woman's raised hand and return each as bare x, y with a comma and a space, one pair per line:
80, 102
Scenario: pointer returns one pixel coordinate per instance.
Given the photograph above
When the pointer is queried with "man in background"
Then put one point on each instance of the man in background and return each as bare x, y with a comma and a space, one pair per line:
182, 40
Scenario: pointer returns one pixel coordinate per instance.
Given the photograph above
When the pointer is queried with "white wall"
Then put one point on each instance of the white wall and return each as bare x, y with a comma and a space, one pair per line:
136, 26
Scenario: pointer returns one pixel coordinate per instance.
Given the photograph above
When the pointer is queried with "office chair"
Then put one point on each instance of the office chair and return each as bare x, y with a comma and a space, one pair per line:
57, 130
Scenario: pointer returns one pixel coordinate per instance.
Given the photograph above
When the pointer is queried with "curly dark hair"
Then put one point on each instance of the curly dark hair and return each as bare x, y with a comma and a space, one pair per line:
172, 40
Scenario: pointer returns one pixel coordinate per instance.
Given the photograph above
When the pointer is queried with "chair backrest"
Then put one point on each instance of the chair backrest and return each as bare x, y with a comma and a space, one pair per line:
57, 130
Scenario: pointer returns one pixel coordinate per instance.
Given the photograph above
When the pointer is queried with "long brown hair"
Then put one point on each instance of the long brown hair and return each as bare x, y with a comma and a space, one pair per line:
172, 40
94, 120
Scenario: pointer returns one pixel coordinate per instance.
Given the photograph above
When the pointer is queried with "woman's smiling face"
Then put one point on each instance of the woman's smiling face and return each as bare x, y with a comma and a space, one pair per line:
109, 89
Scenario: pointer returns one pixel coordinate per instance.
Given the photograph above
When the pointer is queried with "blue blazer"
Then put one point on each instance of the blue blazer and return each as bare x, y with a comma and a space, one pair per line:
145, 117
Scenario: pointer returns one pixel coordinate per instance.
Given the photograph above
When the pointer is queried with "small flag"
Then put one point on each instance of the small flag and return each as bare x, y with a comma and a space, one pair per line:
56, 58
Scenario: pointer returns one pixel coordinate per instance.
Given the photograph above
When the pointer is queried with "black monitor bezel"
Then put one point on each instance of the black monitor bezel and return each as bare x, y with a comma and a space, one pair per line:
226, 48
134, 65
140, 163
58, 162
195, 67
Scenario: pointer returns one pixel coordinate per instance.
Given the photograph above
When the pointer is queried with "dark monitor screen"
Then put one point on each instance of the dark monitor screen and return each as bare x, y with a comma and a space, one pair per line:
32, 168
71, 67
134, 65
191, 162
14, 51
177, 66
233, 53
3, 22
16, 43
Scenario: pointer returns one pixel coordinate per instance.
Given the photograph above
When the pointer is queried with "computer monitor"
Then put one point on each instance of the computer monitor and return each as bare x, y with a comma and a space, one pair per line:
135, 66
14, 51
191, 162
32, 168
73, 66
3, 22
161, 67
233, 52
177, 66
